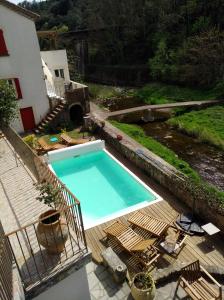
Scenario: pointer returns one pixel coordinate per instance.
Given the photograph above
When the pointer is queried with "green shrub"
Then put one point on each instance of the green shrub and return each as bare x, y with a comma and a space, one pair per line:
30, 140
206, 124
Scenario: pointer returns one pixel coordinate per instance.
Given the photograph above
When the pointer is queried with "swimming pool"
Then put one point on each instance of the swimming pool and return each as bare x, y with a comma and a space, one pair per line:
104, 187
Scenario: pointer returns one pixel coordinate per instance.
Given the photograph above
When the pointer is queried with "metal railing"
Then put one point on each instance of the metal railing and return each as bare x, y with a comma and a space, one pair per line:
34, 262
6, 262
67, 198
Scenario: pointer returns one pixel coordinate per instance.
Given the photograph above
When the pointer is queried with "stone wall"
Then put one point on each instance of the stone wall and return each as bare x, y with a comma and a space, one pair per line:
24, 151
79, 96
165, 174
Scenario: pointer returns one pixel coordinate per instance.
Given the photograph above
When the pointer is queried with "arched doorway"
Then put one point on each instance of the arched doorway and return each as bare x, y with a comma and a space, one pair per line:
76, 114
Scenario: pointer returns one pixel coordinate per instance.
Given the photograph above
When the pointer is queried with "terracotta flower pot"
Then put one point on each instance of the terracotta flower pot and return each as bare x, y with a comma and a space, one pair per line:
52, 232
142, 294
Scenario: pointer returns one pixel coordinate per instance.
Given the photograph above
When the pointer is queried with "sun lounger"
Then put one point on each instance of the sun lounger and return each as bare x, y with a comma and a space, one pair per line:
133, 243
70, 141
45, 147
154, 226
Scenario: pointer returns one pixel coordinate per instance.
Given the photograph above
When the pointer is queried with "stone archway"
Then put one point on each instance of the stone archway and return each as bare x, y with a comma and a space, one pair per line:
76, 114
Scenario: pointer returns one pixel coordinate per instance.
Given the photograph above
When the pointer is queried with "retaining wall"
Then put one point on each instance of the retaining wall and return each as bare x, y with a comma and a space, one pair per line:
25, 152
165, 174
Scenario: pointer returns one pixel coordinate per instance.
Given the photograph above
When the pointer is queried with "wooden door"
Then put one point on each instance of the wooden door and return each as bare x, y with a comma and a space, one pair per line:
27, 118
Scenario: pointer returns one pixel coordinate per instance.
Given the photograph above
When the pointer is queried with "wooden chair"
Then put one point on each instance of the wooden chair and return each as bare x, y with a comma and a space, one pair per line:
193, 281
123, 236
45, 147
70, 141
154, 226
174, 241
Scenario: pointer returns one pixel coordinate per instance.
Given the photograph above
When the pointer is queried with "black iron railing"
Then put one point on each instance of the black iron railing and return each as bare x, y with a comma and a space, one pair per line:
34, 262
6, 262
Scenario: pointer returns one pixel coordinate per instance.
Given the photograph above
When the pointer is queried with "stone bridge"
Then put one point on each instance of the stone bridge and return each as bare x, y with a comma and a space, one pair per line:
150, 112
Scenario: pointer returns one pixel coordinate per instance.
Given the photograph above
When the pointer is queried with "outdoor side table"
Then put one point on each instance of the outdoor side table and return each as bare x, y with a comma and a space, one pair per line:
210, 229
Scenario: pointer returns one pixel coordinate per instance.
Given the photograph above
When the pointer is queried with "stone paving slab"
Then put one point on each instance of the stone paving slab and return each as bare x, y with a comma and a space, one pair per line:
18, 204
102, 286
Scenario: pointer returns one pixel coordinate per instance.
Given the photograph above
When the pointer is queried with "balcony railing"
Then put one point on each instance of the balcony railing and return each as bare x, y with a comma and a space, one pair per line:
34, 263
6, 261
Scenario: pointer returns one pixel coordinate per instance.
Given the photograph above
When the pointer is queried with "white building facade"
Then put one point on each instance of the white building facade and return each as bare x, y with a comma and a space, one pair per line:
21, 65
55, 67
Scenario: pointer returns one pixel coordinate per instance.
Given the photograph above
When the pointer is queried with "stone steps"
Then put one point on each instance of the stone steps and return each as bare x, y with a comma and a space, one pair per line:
50, 117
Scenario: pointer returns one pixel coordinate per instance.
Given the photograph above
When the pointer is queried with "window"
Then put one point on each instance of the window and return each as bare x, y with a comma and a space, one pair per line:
56, 72
59, 73
62, 73
3, 48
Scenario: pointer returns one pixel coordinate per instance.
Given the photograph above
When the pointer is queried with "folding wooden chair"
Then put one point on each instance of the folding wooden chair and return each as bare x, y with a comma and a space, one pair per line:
193, 281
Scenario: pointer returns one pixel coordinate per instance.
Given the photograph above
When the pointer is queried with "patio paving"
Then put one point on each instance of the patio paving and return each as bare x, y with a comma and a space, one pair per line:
102, 287
18, 204
19, 210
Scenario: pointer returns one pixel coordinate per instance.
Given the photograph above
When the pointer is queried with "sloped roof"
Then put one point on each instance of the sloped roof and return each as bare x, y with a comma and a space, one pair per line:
20, 10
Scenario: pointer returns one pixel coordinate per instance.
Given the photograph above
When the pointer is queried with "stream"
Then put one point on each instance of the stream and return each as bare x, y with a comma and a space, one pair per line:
207, 160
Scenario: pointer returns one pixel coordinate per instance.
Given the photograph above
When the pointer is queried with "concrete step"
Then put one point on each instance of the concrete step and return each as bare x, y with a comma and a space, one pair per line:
44, 122
49, 119
50, 116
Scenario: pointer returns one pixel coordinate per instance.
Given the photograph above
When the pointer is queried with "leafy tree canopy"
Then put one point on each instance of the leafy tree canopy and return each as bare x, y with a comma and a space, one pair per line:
181, 41
8, 104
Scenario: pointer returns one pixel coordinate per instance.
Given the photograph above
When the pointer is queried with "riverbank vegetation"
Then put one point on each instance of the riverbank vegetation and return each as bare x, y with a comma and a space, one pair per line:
138, 134
116, 98
206, 124
158, 93
100, 91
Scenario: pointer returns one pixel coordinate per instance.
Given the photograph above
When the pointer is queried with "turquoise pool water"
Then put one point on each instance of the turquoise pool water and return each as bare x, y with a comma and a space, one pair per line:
101, 184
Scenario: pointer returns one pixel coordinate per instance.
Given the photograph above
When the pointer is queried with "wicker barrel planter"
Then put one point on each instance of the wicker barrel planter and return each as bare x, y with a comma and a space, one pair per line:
52, 232
142, 293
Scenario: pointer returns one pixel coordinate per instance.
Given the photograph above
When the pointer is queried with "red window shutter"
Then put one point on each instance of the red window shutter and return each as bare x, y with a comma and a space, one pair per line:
18, 89
3, 48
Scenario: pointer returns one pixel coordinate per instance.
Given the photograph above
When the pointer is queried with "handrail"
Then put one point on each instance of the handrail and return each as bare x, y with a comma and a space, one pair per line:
40, 220
33, 262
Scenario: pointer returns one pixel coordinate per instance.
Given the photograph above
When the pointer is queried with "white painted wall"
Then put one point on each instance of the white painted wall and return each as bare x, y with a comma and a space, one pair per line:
23, 62
74, 287
56, 59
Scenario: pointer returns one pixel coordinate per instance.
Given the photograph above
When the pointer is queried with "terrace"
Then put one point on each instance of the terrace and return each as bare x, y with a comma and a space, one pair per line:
208, 250
19, 211
19, 216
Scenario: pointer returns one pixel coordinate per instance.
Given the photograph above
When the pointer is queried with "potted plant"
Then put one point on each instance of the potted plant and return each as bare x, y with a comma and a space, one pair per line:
52, 229
143, 286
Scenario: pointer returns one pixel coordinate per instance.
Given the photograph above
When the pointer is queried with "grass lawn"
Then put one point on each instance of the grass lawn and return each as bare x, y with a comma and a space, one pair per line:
138, 134
206, 124
158, 93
